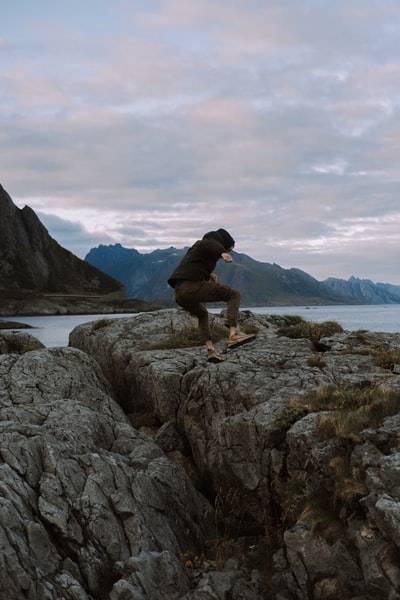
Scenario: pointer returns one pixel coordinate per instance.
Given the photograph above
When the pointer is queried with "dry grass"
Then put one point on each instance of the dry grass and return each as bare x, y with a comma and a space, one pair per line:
325, 498
249, 328
238, 537
300, 328
353, 410
316, 360
347, 410
348, 484
322, 519
188, 337
100, 324
387, 357
293, 495
384, 356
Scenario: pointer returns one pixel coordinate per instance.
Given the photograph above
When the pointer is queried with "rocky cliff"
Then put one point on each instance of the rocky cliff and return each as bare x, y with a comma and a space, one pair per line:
33, 265
131, 472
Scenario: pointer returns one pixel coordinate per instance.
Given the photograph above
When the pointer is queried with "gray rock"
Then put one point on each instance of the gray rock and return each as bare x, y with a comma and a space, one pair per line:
237, 421
82, 492
156, 575
321, 569
135, 472
18, 342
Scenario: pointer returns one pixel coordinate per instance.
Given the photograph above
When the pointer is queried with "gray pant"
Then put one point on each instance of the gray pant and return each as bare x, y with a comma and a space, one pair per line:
190, 294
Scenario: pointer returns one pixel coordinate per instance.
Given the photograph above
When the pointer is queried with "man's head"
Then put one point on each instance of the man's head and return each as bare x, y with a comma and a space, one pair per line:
227, 239
223, 236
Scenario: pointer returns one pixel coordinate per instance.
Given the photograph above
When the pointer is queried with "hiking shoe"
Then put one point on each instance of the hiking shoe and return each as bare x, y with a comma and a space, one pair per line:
214, 357
239, 338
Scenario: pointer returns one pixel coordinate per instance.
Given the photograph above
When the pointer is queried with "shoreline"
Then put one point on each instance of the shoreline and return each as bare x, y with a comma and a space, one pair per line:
43, 307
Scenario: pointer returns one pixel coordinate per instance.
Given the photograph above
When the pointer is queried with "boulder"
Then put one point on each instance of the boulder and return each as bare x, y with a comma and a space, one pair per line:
18, 342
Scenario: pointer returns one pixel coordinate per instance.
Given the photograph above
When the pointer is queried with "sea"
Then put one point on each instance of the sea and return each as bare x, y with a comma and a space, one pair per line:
54, 331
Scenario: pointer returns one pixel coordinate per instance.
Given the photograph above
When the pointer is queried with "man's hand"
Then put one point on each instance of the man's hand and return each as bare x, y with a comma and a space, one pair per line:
227, 257
214, 277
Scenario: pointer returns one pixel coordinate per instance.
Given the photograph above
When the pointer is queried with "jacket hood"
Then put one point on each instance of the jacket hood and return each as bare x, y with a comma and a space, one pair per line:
222, 236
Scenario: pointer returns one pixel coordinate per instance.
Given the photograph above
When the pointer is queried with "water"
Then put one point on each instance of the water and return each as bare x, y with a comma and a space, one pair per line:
377, 317
54, 330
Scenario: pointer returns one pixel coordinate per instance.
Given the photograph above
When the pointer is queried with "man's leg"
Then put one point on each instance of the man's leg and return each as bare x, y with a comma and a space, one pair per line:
189, 296
186, 296
214, 292
217, 292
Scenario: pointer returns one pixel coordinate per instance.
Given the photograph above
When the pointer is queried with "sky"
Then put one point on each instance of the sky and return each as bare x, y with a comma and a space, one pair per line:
150, 122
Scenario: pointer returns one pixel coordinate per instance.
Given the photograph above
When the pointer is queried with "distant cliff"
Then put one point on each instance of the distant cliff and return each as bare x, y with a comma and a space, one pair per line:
371, 293
261, 284
32, 261
38, 276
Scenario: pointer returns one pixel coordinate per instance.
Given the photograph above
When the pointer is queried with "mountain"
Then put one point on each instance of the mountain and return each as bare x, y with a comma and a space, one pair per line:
32, 263
144, 275
366, 290
261, 284
35, 270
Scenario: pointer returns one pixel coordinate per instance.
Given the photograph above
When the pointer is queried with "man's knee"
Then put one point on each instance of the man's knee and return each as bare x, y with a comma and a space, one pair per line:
201, 312
235, 294
196, 310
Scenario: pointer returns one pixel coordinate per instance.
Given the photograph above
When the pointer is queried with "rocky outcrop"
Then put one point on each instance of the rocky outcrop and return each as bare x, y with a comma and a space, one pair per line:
325, 509
18, 342
90, 506
131, 472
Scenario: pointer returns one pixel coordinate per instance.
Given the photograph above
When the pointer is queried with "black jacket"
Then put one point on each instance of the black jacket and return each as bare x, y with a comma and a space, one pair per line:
200, 260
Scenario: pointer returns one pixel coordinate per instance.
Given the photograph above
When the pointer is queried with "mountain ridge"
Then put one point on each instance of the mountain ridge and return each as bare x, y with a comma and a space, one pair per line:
261, 284
37, 275
377, 293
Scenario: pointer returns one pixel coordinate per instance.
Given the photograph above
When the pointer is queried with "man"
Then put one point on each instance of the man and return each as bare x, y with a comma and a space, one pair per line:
194, 282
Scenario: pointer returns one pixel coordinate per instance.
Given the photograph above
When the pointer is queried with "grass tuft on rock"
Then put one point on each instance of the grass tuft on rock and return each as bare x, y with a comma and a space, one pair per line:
188, 337
300, 328
347, 410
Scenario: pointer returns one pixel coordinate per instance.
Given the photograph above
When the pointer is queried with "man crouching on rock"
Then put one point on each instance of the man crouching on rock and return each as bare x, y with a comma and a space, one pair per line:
194, 282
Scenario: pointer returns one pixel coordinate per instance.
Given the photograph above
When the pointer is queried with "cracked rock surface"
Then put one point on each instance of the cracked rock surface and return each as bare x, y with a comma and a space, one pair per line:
130, 472
83, 495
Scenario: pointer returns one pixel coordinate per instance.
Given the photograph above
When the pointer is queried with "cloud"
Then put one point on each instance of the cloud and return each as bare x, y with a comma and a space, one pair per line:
149, 123
71, 234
